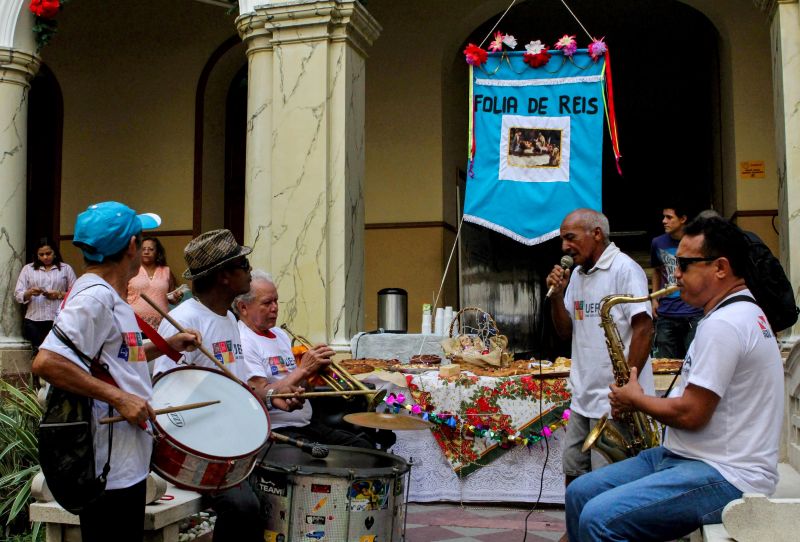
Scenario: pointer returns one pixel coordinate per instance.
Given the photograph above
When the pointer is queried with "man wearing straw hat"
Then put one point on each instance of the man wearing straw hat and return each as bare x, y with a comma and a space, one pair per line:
219, 271
96, 319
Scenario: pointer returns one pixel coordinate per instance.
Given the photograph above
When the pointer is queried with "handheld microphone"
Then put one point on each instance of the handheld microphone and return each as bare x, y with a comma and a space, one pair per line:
565, 263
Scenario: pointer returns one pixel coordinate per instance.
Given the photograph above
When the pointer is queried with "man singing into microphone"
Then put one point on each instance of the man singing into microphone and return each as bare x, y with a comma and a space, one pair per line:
602, 269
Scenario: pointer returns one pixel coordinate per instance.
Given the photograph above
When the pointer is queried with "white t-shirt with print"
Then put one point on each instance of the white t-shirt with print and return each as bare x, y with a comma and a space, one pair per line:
96, 318
591, 373
220, 337
735, 355
270, 356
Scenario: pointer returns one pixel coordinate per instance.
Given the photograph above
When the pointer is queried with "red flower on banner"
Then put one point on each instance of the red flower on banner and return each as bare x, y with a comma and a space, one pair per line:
536, 61
46, 9
475, 55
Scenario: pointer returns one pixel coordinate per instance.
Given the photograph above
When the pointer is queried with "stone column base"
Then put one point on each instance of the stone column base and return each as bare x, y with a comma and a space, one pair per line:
15, 361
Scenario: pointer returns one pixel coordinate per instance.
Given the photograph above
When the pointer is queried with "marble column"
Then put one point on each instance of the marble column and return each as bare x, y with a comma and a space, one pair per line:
16, 69
307, 190
785, 38
258, 162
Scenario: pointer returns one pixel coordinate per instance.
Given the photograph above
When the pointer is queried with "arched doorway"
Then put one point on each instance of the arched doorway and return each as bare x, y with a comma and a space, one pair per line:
668, 114
45, 128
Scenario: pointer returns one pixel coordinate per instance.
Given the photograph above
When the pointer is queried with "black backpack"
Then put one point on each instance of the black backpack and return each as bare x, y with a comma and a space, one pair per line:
767, 280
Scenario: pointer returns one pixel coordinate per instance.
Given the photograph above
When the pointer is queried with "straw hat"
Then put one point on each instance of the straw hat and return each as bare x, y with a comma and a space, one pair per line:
209, 251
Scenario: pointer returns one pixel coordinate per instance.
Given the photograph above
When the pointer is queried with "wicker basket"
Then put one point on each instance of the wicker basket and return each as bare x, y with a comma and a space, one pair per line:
484, 348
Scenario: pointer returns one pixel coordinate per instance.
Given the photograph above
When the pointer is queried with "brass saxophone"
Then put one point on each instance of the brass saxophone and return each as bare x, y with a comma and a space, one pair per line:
634, 431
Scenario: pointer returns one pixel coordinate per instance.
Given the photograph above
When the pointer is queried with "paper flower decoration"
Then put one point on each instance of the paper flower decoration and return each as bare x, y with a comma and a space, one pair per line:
497, 44
536, 55
535, 47
46, 9
475, 57
567, 45
597, 48
510, 41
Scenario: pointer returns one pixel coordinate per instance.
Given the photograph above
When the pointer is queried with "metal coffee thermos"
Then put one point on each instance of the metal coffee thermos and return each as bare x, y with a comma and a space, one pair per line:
393, 310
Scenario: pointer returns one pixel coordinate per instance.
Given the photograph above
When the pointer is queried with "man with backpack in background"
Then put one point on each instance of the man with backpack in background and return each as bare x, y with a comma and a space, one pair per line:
96, 323
675, 320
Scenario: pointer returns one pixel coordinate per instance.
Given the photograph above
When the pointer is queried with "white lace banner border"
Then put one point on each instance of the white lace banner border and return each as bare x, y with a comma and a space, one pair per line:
538, 82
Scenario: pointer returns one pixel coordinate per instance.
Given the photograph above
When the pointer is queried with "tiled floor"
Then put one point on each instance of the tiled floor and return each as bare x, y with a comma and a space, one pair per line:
482, 523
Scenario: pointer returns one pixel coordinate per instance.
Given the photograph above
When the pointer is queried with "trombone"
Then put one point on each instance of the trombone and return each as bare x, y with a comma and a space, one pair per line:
337, 377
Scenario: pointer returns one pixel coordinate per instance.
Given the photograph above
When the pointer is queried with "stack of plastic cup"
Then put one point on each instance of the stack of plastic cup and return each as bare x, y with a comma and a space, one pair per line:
438, 322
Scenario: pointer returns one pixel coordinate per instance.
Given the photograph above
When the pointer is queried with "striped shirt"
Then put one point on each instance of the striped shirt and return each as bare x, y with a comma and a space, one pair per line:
41, 309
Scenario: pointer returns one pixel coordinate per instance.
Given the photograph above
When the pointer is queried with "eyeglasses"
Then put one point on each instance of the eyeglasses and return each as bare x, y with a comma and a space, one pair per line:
683, 262
244, 263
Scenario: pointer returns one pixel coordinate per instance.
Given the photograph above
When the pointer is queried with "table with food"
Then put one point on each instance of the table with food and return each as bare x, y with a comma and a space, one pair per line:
493, 425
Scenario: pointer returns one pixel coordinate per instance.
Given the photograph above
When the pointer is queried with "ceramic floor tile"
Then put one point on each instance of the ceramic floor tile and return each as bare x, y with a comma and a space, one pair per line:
434, 534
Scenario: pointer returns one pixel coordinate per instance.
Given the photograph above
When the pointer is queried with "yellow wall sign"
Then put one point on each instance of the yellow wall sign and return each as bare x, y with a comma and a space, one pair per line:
752, 169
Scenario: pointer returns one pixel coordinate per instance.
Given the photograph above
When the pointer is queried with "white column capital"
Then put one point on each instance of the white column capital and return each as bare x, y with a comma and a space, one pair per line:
17, 67
307, 21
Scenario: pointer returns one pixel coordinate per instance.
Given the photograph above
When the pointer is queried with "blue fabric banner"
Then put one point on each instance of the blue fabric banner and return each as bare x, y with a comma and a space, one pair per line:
537, 143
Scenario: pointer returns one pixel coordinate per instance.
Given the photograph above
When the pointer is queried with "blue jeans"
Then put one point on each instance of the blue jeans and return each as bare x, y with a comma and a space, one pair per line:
656, 495
674, 335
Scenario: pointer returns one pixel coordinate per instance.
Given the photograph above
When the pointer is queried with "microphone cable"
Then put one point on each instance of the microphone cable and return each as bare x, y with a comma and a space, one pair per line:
541, 427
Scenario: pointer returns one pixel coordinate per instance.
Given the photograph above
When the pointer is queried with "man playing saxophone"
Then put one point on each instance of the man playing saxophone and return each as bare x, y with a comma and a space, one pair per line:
723, 420
602, 270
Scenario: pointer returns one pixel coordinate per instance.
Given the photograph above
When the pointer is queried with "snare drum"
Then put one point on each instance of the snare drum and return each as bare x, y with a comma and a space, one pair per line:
353, 494
209, 448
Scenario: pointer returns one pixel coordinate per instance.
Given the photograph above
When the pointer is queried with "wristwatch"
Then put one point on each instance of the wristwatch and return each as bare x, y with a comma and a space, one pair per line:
268, 398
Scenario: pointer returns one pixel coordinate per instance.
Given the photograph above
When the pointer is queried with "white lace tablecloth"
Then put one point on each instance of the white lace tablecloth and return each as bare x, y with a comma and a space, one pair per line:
401, 346
514, 477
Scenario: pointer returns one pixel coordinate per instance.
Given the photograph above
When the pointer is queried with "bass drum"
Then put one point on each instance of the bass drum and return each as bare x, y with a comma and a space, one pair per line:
354, 494
209, 448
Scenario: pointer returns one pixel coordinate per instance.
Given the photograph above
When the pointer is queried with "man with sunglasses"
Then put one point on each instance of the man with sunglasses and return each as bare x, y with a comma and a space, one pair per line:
723, 420
219, 271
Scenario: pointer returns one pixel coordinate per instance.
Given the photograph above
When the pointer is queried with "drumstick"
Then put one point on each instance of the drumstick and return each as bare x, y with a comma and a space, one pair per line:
200, 347
165, 410
322, 394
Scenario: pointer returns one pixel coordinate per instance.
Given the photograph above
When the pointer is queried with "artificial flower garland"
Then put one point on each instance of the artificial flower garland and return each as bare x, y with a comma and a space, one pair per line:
45, 24
536, 54
506, 436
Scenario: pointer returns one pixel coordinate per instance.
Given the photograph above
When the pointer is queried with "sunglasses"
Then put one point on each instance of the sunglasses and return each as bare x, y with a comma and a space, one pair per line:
244, 263
683, 263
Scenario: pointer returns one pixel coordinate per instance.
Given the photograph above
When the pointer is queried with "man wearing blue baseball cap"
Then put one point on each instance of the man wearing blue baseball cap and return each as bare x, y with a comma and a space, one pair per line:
96, 323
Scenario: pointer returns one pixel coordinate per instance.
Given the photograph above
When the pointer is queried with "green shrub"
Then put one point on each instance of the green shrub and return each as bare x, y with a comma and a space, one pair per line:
20, 413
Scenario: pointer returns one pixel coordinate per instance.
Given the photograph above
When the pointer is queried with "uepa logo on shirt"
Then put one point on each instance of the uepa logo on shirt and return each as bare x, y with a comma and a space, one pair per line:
763, 325
583, 310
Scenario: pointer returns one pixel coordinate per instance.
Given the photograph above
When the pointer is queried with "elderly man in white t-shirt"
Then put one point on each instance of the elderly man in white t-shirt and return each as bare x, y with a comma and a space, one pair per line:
271, 363
602, 269
98, 322
724, 419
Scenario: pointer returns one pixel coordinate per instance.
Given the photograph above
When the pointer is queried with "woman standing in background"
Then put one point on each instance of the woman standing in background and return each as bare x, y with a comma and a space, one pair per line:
156, 281
41, 286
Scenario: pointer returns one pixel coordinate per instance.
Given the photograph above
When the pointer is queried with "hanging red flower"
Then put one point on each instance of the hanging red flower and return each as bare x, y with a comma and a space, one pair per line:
46, 9
475, 55
536, 61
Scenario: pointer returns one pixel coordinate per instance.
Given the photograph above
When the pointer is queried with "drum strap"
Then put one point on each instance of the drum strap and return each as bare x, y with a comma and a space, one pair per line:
160, 342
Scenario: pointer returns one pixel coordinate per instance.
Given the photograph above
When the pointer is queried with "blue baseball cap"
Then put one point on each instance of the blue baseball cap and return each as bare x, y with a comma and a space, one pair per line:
106, 228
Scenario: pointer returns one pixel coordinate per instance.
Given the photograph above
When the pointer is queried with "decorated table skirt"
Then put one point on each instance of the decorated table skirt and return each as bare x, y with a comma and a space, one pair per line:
477, 420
